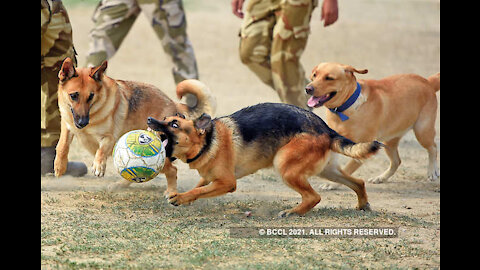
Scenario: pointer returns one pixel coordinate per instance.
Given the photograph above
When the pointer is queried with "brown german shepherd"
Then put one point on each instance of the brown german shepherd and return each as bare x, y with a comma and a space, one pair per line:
98, 110
295, 141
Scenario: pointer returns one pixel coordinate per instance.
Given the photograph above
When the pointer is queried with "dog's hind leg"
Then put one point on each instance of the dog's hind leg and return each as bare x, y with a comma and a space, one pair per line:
424, 130
333, 162
302, 157
391, 149
352, 166
333, 173
310, 198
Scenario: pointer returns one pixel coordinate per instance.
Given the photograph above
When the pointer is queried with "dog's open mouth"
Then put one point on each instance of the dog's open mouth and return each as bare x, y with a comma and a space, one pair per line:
315, 102
166, 136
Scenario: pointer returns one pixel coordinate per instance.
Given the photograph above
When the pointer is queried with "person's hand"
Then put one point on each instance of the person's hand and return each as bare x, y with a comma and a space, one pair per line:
237, 6
329, 12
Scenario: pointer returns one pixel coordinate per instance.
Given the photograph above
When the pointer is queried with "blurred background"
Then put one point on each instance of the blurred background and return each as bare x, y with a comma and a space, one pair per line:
384, 36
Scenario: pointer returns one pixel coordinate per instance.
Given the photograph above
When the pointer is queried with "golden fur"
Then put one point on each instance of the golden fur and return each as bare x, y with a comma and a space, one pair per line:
385, 111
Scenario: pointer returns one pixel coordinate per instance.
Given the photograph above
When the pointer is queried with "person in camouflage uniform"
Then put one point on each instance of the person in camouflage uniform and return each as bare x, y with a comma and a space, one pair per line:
273, 36
114, 18
56, 45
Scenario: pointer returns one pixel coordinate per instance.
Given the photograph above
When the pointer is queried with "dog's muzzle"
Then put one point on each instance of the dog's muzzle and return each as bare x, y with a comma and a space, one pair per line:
309, 89
80, 121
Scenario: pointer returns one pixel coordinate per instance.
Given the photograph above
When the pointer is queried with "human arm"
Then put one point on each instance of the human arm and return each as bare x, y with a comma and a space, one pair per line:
329, 12
237, 6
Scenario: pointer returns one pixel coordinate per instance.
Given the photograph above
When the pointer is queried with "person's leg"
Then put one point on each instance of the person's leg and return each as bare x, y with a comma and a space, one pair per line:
169, 22
56, 45
290, 36
256, 38
113, 20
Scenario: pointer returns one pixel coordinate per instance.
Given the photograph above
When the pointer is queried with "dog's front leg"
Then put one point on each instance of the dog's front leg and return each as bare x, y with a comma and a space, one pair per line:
170, 172
63, 146
104, 150
215, 188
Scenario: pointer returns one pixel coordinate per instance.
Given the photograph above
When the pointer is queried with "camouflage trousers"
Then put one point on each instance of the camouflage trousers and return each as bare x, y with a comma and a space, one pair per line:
56, 45
114, 18
273, 36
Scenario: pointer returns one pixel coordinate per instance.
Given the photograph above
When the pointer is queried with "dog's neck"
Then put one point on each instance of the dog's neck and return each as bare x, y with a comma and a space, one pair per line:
351, 101
208, 142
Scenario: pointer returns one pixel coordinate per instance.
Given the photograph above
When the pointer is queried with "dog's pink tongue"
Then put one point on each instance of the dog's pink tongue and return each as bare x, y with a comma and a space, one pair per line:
313, 101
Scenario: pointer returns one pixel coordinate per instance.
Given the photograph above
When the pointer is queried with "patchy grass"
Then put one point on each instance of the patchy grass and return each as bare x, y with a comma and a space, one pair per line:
139, 230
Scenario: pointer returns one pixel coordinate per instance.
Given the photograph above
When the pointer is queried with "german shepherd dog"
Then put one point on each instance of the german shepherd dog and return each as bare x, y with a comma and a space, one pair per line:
295, 141
98, 110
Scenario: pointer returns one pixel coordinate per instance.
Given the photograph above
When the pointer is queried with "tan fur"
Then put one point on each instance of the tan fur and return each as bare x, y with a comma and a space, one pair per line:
385, 111
358, 151
116, 108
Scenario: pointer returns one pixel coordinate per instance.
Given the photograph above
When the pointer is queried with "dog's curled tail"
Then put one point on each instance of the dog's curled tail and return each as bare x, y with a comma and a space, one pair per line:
198, 98
348, 148
434, 81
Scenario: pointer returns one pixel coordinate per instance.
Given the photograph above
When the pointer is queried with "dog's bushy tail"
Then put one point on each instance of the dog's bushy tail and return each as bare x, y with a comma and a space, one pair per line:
348, 148
198, 98
434, 81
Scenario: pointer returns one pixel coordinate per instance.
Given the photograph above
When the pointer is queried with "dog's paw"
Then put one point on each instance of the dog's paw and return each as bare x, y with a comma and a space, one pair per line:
60, 167
287, 213
177, 199
377, 180
433, 175
365, 207
329, 186
60, 170
168, 193
98, 168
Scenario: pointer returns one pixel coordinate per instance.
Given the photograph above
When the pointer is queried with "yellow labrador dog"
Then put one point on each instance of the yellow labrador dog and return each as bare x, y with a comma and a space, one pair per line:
383, 110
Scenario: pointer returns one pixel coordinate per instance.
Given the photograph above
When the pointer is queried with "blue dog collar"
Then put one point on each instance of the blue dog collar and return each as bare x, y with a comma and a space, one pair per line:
338, 110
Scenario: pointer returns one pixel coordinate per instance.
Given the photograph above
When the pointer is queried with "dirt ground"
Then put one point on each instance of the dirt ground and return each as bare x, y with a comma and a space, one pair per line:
384, 36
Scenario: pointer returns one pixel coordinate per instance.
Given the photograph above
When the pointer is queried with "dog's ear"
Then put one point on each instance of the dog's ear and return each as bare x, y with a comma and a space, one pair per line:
203, 123
97, 72
352, 69
313, 71
67, 71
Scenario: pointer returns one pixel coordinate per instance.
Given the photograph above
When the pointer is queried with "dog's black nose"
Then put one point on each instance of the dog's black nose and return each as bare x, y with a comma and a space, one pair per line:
309, 89
149, 120
81, 122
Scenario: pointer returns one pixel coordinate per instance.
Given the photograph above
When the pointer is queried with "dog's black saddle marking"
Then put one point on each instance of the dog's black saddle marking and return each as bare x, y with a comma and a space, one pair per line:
135, 99
277, 120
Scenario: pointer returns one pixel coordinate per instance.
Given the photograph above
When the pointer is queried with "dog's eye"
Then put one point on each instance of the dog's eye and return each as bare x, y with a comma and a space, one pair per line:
314, 75
328, 78
180, 115
74, 96
174, 124
90, 97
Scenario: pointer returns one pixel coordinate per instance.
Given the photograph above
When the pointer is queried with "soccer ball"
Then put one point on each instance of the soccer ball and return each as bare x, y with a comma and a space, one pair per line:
139, 156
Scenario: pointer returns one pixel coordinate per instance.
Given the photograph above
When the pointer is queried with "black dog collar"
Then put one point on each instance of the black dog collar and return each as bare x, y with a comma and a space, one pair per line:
206, 146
